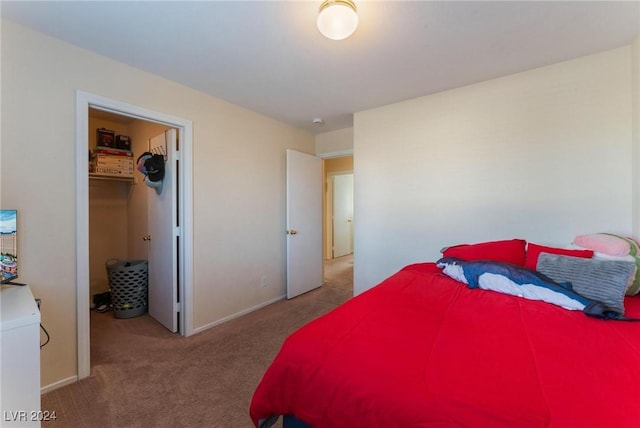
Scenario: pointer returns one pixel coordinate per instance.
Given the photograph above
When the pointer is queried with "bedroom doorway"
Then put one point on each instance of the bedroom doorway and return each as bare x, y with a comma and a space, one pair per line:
339, 220
183, 197
338, 202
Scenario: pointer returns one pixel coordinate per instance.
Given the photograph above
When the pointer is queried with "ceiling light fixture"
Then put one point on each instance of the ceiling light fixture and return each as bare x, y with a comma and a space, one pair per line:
337, 19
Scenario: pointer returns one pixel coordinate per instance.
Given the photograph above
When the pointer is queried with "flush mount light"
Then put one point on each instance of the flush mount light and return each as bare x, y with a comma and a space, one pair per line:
337, 19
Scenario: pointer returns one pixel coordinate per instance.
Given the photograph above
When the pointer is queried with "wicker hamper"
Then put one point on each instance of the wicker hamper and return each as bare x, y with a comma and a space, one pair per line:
129, 283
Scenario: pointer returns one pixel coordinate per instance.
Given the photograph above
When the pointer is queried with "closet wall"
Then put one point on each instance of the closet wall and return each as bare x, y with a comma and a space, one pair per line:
117, 209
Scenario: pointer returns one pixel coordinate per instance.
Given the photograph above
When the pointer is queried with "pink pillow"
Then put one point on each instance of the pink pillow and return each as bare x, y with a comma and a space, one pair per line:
534, 250
508, 251
603, 243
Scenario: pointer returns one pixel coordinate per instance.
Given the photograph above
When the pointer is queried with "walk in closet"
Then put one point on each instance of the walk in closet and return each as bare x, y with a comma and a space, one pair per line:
117, 206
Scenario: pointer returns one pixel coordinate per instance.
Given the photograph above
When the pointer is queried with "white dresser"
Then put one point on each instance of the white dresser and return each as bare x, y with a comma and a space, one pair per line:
20, 358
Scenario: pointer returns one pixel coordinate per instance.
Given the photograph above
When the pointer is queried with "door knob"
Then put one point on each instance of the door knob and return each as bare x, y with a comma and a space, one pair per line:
146, 238
292, 232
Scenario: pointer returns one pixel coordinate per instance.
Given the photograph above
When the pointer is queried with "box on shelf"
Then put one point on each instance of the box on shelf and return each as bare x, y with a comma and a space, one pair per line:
112, 165
112, 160
111, 169
110, 151
106, 138
113, 172
123, 142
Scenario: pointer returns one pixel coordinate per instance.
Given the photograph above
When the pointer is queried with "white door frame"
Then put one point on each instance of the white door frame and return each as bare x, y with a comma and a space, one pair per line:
84, 101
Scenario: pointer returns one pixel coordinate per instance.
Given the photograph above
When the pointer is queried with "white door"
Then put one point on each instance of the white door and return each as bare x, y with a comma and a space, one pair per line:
342, 214
304, 223
162, 235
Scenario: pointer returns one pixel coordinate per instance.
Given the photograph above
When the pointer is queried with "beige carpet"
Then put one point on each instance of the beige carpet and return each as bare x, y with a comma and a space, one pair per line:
144, 376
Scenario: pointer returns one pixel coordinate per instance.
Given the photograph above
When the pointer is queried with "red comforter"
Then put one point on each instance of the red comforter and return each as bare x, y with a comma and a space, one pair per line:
422, 350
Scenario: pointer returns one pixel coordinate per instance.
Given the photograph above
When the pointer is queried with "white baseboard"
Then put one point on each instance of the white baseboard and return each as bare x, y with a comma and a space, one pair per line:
238, 314
58, 384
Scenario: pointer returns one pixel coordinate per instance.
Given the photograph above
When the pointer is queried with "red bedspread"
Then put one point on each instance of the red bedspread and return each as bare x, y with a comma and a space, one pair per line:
422, 350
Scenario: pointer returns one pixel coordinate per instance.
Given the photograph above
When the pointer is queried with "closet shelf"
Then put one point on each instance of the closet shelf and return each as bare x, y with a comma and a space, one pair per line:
95, 176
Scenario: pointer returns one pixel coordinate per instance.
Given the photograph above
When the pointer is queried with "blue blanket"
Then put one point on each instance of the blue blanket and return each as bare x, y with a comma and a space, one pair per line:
519, 281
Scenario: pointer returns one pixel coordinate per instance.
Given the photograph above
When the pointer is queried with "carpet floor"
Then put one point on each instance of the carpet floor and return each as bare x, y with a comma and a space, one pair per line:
144, 376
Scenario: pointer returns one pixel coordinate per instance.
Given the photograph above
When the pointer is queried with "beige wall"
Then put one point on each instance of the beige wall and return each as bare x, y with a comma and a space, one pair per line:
542, 155
338, 142
341, 164
238, 176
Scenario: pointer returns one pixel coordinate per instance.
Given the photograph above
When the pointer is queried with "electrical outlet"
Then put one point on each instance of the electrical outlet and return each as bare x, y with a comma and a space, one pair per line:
263, 281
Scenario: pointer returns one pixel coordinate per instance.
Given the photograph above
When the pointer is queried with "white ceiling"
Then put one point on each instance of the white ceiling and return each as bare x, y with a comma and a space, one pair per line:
269, 57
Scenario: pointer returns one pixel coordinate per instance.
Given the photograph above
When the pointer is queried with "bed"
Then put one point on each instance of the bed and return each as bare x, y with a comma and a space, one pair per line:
424, 350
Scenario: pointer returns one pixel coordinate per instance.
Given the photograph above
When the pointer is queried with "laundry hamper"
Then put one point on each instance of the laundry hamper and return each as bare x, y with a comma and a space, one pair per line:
129, 283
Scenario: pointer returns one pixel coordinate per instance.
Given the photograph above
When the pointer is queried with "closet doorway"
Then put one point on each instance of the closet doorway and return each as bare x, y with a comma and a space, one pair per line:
130, 221
113, 217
